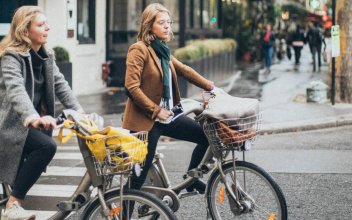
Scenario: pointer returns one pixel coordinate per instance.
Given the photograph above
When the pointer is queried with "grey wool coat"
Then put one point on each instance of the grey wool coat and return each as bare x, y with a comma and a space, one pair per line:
16, 97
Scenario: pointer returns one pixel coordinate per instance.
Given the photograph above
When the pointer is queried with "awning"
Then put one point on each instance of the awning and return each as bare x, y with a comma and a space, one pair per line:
314, 17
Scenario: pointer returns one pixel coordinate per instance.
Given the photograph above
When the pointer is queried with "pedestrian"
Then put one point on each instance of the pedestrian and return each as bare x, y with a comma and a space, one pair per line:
29, 82
268, 42
298, 41
316, 39
310, 27
151, 83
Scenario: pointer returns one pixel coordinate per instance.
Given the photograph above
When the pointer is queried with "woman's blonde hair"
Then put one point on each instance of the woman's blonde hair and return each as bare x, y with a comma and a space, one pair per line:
148, 17
17, 39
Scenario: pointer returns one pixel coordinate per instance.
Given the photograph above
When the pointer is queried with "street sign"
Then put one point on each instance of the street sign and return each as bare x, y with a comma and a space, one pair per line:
335, 41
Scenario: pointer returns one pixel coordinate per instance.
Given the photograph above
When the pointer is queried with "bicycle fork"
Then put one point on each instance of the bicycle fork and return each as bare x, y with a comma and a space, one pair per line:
235, 191
115, 212
233, 195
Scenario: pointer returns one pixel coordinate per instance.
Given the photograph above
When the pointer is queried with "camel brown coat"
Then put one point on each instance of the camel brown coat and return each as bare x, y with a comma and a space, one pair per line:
144, 84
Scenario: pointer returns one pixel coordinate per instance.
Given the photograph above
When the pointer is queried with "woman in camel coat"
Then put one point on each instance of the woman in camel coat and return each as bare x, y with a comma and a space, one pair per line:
151, 82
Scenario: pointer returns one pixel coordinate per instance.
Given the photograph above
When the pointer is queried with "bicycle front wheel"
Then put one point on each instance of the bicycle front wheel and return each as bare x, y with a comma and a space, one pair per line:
141, 205
259, 195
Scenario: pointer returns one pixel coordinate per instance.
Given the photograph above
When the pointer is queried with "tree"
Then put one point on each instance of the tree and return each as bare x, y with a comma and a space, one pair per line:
343, 83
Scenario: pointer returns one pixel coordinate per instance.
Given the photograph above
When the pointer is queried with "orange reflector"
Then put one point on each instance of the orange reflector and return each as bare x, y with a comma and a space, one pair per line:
271, 216
221, 195
114, 211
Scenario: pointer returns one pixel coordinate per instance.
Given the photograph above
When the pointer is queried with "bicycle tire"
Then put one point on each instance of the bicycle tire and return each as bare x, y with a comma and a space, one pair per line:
268, 201
141, 199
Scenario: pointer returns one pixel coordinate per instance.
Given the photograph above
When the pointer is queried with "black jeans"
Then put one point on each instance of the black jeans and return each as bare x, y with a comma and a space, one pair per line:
183, 128
38, 151
297, 54
316, 52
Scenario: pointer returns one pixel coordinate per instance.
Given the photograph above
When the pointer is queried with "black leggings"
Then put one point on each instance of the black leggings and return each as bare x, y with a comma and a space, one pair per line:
38, 151
183, 128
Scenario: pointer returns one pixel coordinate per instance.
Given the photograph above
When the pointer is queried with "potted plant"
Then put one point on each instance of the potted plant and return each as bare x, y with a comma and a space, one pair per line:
63, 62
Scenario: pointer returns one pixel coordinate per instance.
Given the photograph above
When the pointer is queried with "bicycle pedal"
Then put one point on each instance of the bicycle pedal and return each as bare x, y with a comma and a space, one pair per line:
68, 206
188, 194
196, 173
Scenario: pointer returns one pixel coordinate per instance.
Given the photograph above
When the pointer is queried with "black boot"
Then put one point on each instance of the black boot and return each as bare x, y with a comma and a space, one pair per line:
198, 185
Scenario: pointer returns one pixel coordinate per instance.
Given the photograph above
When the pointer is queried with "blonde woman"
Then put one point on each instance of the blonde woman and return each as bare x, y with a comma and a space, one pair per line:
151, 82
29, 81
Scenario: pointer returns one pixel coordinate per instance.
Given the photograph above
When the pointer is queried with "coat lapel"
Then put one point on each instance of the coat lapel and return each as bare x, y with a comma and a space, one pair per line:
156, 59
49, 85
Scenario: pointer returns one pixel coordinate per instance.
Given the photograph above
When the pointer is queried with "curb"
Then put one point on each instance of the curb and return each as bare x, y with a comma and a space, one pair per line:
306, 125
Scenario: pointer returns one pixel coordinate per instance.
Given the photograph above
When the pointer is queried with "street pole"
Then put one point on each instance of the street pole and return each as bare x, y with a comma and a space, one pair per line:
333, 58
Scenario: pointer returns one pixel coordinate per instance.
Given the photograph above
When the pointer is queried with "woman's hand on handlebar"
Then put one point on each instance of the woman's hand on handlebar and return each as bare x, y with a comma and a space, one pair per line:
164, 114
45, 122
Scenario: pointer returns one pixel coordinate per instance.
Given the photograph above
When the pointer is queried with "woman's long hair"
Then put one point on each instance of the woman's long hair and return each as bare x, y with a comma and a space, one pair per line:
148, 17
17, 39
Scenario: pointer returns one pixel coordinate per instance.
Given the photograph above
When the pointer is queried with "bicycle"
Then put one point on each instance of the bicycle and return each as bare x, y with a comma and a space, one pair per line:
235, 189
100, 173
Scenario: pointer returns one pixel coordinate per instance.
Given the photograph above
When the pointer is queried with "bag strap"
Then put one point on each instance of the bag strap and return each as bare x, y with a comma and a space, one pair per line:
68, 125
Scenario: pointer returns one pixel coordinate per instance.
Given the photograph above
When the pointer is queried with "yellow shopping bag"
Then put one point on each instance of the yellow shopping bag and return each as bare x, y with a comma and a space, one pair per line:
110, 145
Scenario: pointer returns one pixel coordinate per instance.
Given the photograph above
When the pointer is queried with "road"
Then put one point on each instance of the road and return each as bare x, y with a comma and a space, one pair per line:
313, 168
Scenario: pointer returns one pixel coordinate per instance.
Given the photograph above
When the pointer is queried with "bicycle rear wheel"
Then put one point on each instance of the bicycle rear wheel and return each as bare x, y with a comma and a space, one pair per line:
259, 194
146, 206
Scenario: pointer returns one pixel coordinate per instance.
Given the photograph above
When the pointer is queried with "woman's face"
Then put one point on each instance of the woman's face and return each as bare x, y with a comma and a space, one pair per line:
38, 31
162, 26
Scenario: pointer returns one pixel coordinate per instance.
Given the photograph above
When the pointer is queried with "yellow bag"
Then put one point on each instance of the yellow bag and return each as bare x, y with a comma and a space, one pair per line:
110, 145
120, 145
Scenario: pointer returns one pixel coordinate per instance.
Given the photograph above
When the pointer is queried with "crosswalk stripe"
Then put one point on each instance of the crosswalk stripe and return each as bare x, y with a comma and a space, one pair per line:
52, 190
67, 148
67, 156
41, 215
64, 171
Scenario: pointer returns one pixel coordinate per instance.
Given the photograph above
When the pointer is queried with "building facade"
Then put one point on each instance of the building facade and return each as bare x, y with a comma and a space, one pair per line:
96, 31
76, 25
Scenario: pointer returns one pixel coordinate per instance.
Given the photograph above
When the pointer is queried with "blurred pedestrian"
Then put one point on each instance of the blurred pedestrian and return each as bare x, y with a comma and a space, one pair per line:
29, 83
298, 41
315, 39
268, 42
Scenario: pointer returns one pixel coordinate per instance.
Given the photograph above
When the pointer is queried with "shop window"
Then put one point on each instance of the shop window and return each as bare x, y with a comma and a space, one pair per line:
86, 21
210, 13
196, 14
7, 9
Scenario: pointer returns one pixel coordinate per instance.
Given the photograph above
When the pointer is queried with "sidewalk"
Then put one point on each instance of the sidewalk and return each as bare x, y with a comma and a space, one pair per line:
283, 100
